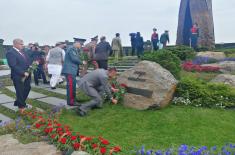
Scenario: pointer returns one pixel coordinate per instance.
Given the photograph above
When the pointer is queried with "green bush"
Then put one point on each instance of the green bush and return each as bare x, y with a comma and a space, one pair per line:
1, 62
166, 59
203, 94
183, 52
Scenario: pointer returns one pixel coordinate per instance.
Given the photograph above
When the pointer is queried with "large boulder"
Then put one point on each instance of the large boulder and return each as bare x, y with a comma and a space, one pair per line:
213, 55
225, 78
149, 86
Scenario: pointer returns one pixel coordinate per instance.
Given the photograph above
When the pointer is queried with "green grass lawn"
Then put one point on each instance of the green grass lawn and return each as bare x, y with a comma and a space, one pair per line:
169, 127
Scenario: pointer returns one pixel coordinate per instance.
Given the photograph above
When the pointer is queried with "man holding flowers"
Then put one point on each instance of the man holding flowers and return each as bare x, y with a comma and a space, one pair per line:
19, 63
95, 84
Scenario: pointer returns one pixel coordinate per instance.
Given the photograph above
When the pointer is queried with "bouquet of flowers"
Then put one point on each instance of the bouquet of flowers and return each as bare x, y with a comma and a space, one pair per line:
31, 69
119, 95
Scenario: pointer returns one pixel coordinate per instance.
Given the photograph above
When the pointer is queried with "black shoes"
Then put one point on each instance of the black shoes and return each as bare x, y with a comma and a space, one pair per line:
81, 112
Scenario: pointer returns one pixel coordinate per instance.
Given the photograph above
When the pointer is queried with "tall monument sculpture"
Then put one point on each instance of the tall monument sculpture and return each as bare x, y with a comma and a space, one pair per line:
200, 12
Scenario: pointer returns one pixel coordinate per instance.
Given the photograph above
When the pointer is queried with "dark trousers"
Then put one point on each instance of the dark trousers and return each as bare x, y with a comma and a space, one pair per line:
103, 64
71, 88
39, 72
95, 94
140, 52
155, 46
22, 90
133, 50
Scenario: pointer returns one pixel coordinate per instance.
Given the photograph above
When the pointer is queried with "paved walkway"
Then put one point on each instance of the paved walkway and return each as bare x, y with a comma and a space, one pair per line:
4, 72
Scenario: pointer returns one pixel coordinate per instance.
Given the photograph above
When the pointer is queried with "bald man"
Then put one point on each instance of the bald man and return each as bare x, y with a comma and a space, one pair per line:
19, 63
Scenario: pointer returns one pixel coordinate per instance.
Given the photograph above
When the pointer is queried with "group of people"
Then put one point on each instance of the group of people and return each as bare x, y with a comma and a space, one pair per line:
137, 42
59, 61
64, 62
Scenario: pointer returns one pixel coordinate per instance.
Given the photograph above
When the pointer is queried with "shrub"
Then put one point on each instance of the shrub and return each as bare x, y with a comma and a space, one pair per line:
202, 94
166, 59
183, 52
1, 62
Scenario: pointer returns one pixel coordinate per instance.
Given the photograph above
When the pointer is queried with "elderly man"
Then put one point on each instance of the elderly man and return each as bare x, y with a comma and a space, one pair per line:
95, 84
55, 60
19, 63
70, 69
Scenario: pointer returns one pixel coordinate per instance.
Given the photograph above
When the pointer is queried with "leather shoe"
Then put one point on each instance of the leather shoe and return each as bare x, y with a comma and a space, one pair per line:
80, 112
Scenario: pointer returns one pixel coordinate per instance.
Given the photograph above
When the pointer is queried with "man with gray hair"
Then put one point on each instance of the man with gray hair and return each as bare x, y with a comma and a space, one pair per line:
55, 60
19, 63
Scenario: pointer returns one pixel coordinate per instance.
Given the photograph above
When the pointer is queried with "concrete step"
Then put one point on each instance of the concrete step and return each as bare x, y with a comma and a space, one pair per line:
4, 120
32, 94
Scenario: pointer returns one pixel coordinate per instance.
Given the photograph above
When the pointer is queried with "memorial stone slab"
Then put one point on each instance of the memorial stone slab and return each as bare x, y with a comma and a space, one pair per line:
149, 86
54, 101
14, 108
5, 99
48, 88
32, 94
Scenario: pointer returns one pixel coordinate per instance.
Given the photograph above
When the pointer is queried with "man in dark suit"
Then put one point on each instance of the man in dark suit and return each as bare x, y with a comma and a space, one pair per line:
19, 63
102, 52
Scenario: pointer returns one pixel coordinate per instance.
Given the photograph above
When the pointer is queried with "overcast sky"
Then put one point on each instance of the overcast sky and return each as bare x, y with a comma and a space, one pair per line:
49, 21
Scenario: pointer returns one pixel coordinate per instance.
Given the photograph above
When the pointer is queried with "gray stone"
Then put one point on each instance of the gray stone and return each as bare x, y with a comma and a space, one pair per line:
5, 72
15, 108
10, 146
80, 153
48, 88
4, 119
210, 54
32, 94
54, 101
5, 99
149, 86
225, 78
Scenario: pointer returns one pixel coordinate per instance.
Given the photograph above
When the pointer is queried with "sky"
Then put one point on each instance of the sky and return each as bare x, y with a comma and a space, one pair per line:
50, 21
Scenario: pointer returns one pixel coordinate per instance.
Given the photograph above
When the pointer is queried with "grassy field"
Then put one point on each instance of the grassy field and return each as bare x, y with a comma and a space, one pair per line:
169, 127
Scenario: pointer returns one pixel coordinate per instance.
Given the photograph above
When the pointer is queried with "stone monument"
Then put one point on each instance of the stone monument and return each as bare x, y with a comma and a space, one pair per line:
149, 86
200, 12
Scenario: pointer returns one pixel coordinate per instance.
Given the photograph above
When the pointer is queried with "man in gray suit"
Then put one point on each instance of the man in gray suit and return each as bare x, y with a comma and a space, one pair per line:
95, 84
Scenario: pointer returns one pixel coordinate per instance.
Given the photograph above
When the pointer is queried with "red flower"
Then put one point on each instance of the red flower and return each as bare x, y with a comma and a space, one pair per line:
53, 136
38, 125
34, 116
63, 140
88, 138
123, 85
117, 149
76, 146
105, 142
68, 133
73, 137
58, 124
59, 129
61, 133
102, 150
94, 146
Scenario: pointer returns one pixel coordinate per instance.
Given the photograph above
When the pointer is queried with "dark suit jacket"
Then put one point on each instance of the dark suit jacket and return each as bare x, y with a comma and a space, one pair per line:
17, 63
102, 51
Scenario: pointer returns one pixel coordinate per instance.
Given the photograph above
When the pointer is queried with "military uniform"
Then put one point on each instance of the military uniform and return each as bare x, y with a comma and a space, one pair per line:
70, 69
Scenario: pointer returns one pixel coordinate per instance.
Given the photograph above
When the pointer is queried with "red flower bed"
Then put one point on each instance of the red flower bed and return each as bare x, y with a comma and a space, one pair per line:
64, 137
189, 66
